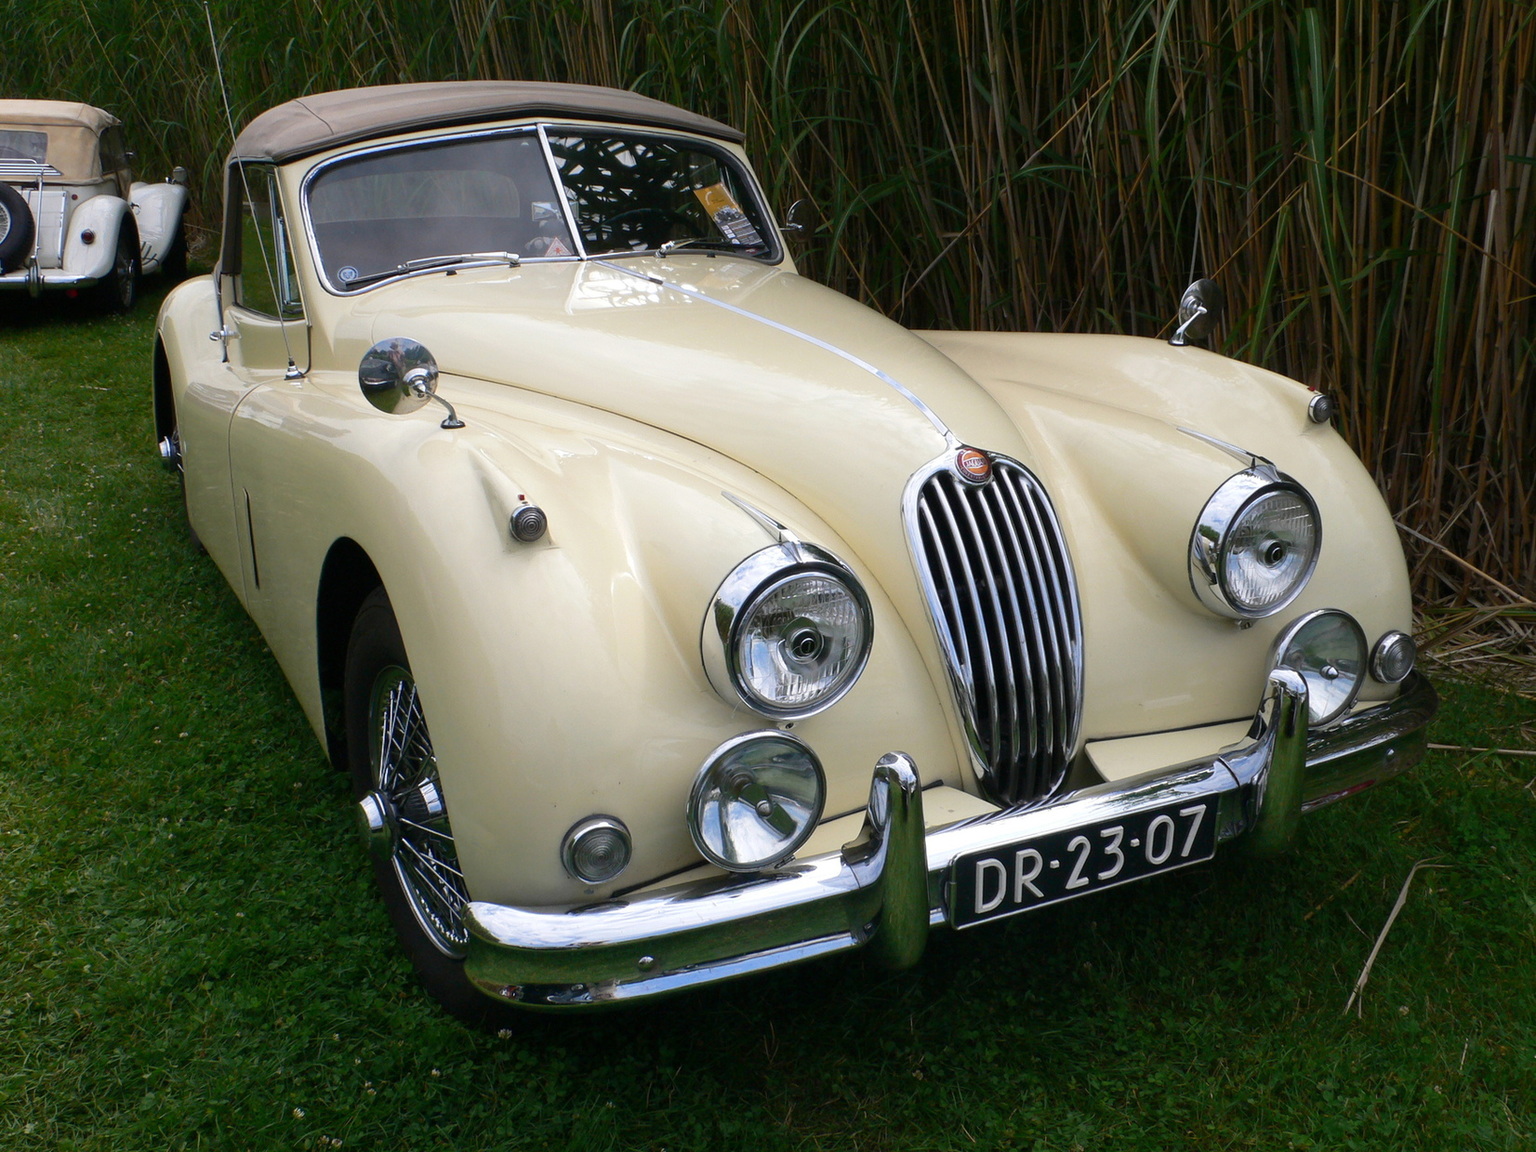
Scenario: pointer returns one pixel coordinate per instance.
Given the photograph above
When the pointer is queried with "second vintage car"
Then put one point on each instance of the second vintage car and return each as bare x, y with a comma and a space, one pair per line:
72, 217
678, 618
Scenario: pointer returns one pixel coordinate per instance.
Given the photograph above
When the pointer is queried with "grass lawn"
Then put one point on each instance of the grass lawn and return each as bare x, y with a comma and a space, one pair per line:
193, 956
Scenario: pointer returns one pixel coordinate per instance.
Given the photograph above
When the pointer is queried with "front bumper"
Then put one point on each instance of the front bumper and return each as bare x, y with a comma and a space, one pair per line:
890, 885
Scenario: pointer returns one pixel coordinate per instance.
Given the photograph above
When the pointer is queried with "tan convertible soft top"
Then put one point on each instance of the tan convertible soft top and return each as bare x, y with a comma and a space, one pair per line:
312, 124
73, 130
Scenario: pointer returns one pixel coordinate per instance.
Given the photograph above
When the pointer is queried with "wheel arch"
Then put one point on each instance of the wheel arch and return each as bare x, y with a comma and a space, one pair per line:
164, 397
347, 576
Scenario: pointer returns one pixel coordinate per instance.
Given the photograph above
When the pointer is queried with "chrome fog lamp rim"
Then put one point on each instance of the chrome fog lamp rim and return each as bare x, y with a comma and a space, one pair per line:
755, 800
1393, 658
596, 849
731, 608
1211, 539
1327, 648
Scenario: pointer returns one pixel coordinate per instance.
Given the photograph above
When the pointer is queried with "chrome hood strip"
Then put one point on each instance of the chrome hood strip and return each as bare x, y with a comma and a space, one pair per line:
858, 362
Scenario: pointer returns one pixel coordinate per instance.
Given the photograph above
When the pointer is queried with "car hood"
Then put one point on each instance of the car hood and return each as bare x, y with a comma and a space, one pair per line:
787, 377
839, 407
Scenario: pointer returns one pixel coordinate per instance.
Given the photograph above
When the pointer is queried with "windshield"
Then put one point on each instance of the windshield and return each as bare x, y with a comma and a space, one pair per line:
636, 193
389, 211
374, 213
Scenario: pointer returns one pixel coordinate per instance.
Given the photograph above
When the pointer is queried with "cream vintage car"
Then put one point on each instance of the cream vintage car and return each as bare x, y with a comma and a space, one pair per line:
748, 626
72, 217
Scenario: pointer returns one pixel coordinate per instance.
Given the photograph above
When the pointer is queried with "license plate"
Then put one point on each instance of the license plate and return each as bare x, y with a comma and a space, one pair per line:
1074, 862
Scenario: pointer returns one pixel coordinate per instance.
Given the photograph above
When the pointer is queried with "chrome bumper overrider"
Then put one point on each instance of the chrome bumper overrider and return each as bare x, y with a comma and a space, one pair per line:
886, 888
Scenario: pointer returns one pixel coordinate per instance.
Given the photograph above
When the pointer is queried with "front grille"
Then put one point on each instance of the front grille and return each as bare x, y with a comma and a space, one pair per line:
1004, 602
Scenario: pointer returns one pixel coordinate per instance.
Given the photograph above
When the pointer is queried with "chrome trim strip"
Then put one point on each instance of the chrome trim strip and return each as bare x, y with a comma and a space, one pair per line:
1251, 459
888, 887
28, 170
858, 362
565, 201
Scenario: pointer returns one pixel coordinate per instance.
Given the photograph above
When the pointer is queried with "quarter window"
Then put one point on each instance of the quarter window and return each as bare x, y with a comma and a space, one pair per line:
265, 281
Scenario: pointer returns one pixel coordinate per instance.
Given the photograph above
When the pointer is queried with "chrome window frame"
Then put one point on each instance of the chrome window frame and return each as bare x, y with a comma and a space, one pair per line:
541, 129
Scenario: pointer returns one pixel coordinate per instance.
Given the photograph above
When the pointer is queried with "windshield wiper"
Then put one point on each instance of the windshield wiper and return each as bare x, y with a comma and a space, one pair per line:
428, 263
707, 244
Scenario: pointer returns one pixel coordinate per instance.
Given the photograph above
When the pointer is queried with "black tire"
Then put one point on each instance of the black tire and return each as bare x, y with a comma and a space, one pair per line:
173, 266
16, 229
170, 456
414, 864
119, 288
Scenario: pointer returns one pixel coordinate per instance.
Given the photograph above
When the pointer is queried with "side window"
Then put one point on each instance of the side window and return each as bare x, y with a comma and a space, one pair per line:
114, 155
265, 279
114, 158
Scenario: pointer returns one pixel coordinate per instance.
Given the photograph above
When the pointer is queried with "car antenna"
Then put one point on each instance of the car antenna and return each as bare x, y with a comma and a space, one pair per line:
293, 372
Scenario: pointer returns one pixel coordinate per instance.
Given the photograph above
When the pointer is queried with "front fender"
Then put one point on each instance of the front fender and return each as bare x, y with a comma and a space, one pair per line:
1106, 419
158, 210
560, 678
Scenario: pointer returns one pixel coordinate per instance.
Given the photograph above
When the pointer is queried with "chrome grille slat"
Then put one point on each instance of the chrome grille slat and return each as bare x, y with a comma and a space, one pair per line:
1061, 615
1058, 616
999, 584
1025, 626
1042, 626
984, 577
972, 639
1021, 736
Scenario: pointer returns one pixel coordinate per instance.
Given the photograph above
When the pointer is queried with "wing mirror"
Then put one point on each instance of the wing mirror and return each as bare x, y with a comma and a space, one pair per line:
799, 221
399, 376
1200, 308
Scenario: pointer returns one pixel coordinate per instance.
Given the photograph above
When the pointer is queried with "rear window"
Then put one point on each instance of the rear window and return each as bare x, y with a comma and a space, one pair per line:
16, 144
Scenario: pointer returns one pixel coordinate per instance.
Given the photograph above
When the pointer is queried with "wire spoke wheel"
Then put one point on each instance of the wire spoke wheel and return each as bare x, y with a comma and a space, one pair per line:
402, 814
421, 851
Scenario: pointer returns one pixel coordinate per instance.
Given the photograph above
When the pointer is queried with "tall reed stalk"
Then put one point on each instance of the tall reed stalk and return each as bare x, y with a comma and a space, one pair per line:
1357, 175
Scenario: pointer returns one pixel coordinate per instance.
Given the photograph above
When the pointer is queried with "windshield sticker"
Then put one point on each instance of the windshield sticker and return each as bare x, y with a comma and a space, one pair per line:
728, 216
548, 246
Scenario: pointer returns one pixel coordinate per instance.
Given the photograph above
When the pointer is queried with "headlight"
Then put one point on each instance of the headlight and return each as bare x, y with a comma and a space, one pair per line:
755, 800
788, 632
1254, 545
1328, 649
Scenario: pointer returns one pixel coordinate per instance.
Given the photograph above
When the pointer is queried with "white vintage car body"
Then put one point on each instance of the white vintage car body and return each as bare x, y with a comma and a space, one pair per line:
74, 217
1056, 723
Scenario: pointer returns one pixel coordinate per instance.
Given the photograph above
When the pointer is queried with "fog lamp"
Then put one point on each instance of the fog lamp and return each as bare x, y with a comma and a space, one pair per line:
1328, 649
596, 849
755, 800
1393, 657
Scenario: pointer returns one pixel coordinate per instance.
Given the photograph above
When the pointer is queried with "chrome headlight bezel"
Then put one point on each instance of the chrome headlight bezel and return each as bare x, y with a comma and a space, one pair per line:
722, 798
1210, 542
731, 611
